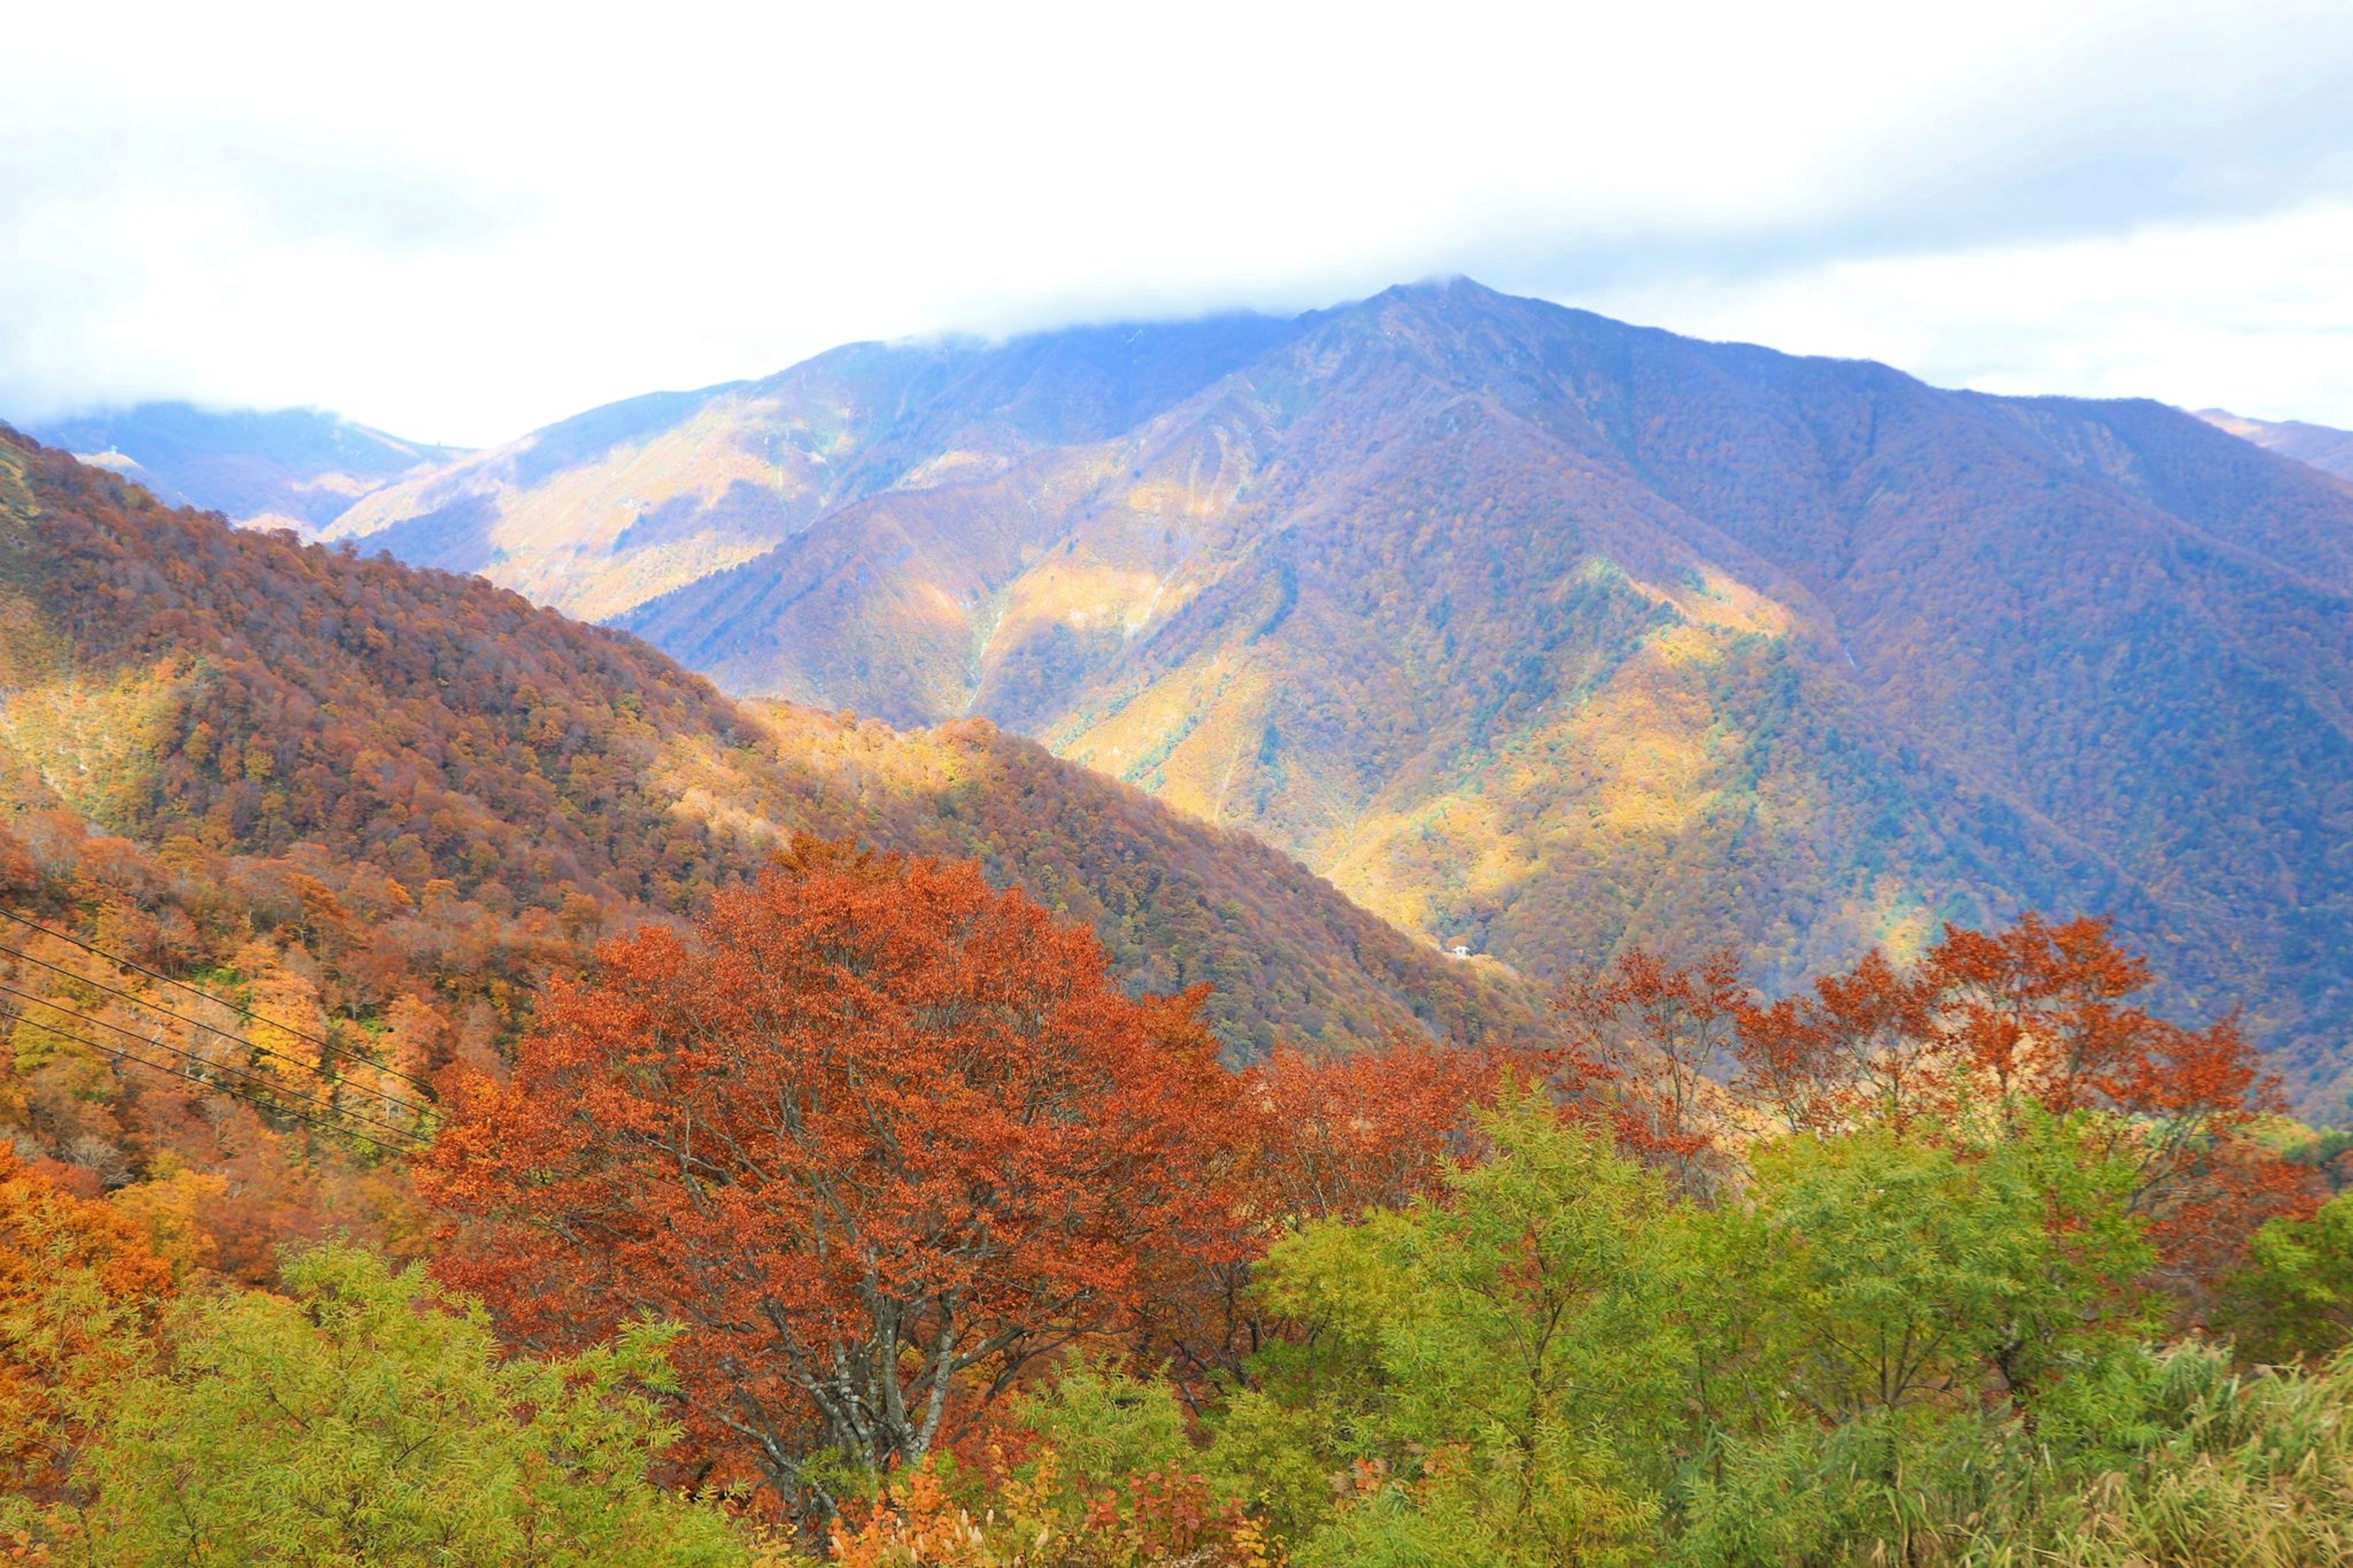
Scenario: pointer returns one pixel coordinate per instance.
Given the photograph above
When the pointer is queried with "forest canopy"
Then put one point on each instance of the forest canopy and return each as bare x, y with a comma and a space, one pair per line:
450, 1118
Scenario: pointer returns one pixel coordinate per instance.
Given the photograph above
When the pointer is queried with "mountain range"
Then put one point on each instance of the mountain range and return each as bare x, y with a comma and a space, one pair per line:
290, 468
1534, 632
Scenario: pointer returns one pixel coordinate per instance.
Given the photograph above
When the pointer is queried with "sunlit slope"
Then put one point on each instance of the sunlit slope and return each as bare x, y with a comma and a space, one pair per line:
166, 677
621, 504
1541, 633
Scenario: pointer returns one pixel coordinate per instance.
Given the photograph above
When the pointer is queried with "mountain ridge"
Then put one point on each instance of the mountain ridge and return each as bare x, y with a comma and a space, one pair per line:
290, 468
2329, 450
1949, 592
1536, 631
744, 464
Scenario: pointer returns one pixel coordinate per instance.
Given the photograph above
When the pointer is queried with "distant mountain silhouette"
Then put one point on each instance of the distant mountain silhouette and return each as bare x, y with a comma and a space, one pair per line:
618, 505
295, 467
2328, 450
1532, 630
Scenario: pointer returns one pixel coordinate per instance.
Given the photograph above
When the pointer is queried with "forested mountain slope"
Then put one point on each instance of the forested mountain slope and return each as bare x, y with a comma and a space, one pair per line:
603, 511
1528, 628
1544, 632
169, 678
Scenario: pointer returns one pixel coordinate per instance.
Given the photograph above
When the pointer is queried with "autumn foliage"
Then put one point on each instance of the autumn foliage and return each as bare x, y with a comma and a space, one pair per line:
854, 1194
78, 1285
878, 1136
1983, 1028
1332, 1136
1644, 1037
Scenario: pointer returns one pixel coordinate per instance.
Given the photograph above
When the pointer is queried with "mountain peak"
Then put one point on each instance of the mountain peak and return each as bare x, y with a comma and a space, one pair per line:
1527, 627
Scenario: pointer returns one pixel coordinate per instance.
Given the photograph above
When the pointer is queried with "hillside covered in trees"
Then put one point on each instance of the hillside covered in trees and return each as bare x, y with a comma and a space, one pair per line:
1547, 634
1531, 630
428, 744
475, 1094
869, 1221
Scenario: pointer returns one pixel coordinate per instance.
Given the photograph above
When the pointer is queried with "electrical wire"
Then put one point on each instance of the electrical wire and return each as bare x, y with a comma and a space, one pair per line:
119, 1054
253, 1079
255, 1046
245, 1072
193, 991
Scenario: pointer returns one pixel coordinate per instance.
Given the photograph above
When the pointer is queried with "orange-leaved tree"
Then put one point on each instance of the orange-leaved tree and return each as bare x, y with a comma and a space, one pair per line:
1332, 1136
1322, 1137
877, 1136
1649, 1035
1863, 1048
2049, 1017
79, 1291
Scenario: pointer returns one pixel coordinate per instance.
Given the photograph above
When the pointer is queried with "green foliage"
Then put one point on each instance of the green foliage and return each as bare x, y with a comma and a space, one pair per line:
2255, 1471
1895, 1485
2294, 1295
1879, 1348
1880, 1320
1105, 1426
365, 1422
1896, 1273
1491, 1374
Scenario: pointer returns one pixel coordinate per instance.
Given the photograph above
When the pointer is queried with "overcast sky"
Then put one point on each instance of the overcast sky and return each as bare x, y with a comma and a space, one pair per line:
461, 222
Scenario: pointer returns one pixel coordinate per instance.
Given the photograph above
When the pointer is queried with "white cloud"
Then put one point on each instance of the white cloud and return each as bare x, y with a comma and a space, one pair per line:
2254, 315
459, 221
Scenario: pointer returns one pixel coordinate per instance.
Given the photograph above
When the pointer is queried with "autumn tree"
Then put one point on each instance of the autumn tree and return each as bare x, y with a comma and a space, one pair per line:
2047, 1019
1654, 1034
877, 1136
1861, 1049
2033, 1013
1334, 1135
1322, 1137
2048, 1013
80, 1293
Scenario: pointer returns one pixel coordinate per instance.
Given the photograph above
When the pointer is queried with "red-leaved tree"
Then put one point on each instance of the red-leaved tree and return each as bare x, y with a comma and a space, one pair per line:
1321, 1137
1645, 1037
878, 1136
1332, 1136
2049, 1017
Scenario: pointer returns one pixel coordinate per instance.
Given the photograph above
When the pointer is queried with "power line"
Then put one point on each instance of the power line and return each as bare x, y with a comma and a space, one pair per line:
119, 1054
122, 1055
254, 1045
242, 1079
249, 1079
194, 991
246, 1073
